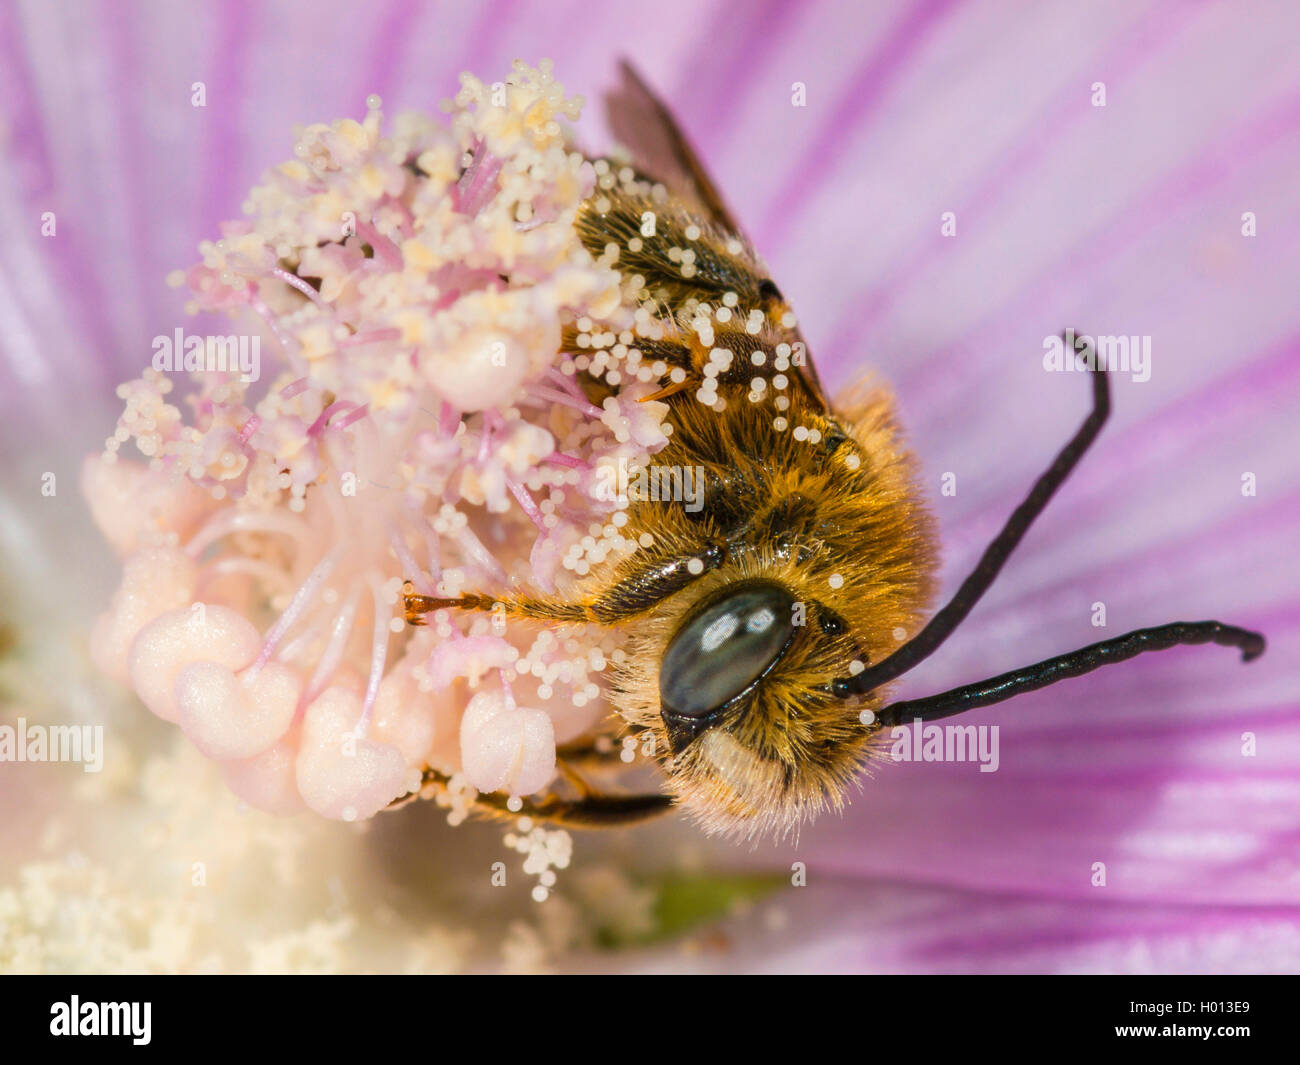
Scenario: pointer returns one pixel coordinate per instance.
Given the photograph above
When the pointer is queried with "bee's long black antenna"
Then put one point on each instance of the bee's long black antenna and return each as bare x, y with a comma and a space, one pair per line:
1074, 664
943, 624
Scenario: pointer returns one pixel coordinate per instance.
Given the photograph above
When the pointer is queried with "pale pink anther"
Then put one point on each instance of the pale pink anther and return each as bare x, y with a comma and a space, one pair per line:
340, 774
132, 505
386, 252
468, 656
506, 747
154, 581
404, 717
267, 781
233, 716
181, 637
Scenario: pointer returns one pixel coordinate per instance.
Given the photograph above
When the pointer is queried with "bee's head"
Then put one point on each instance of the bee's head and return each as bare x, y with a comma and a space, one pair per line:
752, 738
828, 561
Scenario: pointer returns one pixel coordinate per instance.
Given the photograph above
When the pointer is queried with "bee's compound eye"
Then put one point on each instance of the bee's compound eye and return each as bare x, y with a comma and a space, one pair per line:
724, 647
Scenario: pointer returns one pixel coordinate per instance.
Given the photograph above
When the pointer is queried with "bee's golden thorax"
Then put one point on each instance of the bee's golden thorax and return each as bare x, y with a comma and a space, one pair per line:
839, 524
821, 503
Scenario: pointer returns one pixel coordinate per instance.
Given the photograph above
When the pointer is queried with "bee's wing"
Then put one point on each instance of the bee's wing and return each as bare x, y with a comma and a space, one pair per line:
642, 123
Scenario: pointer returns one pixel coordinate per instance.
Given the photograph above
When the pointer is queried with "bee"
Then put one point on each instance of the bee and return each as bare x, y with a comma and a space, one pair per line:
763, 631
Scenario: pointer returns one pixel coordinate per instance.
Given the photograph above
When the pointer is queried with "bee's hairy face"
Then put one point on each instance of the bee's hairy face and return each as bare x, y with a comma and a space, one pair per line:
825, 563
753, 741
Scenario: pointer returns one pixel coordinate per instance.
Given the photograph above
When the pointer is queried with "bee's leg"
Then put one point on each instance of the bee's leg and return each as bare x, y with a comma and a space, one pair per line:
637, 593
591, 753
576, 779
670, 389
647, 586
590, 810
416, 606
1074, 664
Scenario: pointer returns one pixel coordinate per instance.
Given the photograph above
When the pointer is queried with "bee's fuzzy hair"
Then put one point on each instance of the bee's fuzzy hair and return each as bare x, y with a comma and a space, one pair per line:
790, 750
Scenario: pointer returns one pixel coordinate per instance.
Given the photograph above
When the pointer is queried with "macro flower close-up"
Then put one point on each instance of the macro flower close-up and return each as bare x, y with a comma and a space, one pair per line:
486, 486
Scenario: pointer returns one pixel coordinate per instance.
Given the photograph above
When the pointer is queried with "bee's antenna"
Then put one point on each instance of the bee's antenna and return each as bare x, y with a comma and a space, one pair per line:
945, 622
1074, 664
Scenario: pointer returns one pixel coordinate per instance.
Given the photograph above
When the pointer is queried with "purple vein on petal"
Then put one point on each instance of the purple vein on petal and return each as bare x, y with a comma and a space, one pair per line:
1164, 197
1178, 556
833, 867
225, 83
29, 159
855, 108
725, 60
1190, 420
1147, 926
24, 129
483, 42
1040, 138
390, 45
123, 41
1048, 732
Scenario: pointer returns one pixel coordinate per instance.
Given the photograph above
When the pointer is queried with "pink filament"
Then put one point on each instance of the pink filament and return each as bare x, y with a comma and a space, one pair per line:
526, 502
370, 336
301, 600
298, 283
378, 656
448, 419
325, 415
477, 185
329, 661
268, 316
295, 388
409, 565
571, 461
567, 401
250, 427
355, 416
386, 251
227, 523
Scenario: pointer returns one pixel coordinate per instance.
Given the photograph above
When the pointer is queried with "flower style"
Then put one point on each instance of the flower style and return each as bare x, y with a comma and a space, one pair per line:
419, 424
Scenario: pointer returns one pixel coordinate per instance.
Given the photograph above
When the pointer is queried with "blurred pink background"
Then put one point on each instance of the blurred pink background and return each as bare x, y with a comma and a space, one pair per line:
1122, 219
